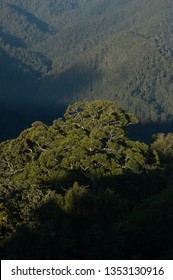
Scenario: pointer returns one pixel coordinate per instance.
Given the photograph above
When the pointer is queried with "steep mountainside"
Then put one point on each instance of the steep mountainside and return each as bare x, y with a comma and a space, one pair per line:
65, 51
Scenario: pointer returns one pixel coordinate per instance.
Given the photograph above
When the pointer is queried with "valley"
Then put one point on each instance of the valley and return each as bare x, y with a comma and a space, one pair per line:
61, 52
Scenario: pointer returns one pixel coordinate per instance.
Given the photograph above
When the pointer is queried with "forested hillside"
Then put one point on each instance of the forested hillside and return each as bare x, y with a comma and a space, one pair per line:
59, 52
74, 182
81, 189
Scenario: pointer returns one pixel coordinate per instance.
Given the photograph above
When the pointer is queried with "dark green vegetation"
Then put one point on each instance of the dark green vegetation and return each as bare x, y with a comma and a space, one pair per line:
81, 189
53, 53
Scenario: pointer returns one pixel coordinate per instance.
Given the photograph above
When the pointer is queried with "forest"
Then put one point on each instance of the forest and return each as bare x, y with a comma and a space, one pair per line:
61, 52
86, 129
82, 189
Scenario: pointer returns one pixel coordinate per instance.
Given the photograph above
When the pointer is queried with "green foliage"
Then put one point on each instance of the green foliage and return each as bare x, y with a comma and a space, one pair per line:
60, 52
163, 144
80, 188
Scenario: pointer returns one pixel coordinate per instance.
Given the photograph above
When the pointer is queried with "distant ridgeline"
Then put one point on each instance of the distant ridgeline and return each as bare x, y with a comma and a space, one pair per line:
55, 53
81, 189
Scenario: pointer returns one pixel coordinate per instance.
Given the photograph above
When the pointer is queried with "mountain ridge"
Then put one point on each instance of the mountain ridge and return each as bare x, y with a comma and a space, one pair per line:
129, 43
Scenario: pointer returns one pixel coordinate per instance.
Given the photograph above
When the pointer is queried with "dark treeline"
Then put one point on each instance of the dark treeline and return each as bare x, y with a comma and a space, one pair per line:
81, 189
86, 180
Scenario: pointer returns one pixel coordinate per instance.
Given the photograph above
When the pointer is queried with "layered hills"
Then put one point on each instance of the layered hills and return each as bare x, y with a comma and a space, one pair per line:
75, 184
59, 52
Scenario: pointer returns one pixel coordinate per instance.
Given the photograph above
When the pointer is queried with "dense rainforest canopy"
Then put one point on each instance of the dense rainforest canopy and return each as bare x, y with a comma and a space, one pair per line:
54, 53
81, 189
